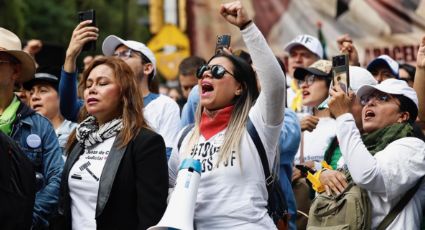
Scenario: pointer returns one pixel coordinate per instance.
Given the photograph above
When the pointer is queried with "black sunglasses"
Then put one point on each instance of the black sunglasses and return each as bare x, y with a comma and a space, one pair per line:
217, 71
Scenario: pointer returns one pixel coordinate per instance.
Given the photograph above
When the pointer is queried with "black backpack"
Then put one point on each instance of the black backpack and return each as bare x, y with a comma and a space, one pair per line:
277, 206
17, 186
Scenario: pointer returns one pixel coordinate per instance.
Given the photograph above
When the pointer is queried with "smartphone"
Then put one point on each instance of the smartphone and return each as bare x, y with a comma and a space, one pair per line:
223, 41
340, 71
88, 15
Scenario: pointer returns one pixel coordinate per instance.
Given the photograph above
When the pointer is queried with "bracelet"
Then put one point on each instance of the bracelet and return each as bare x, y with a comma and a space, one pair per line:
245, 25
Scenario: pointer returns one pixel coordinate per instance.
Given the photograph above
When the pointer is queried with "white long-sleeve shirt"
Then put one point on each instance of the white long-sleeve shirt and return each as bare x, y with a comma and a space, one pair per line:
234, 195
387, 175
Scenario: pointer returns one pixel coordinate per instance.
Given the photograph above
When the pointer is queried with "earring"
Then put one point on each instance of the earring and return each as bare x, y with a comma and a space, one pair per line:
238, 92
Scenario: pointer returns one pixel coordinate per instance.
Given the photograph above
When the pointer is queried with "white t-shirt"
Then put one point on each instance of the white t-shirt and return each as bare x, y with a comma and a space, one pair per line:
388, 175
232, 195
83, 184
163, 115
316, 142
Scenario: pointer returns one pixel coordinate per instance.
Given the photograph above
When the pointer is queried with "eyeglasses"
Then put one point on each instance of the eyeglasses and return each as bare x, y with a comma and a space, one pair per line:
217, 71
379, 97
124, 54
308, 79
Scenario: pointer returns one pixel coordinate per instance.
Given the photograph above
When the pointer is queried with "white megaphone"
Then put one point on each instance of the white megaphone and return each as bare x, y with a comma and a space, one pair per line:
181, 208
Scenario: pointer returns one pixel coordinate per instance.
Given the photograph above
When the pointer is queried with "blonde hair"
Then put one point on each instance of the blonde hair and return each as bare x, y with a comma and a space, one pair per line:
245, 75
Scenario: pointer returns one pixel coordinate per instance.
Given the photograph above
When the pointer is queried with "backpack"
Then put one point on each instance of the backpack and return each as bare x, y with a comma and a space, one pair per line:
277, 206
349, 210
17, 186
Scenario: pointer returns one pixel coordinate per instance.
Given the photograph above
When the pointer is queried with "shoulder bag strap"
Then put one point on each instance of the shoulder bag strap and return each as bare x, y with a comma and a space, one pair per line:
262, 153
184, 133
389, 218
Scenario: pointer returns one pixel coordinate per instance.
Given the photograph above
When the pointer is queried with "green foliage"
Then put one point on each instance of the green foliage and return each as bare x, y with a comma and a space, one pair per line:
12, 15
54, 20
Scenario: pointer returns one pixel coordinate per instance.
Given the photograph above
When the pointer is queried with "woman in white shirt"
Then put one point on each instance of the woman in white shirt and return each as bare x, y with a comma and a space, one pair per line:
387, 160
115, 176
232, 192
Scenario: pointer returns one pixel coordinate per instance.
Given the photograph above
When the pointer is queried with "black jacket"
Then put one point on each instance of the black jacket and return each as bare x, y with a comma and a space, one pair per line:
17, 186
133, 186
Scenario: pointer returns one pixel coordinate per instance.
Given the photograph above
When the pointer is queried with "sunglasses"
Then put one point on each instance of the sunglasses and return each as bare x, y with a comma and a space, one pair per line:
379, 97
217, 71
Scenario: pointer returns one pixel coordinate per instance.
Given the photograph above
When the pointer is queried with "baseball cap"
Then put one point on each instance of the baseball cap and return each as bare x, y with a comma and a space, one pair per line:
11, 44
42, 77
360, 76
391, 86
321, 68
112, 42
309, 42
386, 60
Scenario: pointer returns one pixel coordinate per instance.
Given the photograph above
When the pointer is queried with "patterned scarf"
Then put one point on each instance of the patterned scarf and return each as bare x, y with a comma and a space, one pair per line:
89, 133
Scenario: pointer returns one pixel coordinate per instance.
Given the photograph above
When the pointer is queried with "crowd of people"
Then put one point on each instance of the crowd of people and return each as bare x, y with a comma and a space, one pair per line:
106, 147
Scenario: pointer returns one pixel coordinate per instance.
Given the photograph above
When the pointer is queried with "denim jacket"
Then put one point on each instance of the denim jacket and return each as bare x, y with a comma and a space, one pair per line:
36, 137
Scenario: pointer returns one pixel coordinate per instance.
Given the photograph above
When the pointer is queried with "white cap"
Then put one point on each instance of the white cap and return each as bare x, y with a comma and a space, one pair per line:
386, 60
360, 76
391, 86
309, 42
112, 42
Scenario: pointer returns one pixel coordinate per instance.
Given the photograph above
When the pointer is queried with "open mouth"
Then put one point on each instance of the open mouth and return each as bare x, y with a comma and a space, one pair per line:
206, 88
369, 114
305, 93
35, 107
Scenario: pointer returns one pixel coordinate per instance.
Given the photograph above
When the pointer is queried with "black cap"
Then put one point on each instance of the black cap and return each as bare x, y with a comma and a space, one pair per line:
42, 78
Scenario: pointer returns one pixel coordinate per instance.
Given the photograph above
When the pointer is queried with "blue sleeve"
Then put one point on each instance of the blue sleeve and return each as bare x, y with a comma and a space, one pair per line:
46, 200
289, 142
70, 104
189, 109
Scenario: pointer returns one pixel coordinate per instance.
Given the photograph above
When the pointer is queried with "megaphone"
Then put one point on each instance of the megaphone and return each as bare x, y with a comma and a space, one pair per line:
181, 208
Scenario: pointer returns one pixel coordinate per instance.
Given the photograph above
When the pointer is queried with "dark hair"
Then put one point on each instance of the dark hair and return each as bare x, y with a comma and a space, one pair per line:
407, 105
146, 60
410, 69
190, 65
244, 74
244, 55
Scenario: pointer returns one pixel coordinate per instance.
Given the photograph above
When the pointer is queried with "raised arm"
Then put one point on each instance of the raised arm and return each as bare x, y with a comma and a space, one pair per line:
345, 45
271, 101
419, 83
69, 103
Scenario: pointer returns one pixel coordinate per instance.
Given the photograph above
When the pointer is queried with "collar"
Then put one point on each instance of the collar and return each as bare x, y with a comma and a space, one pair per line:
149, 98
210, 126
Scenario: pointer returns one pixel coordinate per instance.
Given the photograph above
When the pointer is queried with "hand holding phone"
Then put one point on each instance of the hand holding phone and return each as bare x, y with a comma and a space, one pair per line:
88, 15
223, 41
340, 71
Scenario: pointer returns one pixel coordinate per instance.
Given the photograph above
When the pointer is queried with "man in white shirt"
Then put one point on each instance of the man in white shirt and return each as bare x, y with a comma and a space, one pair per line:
303, 51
